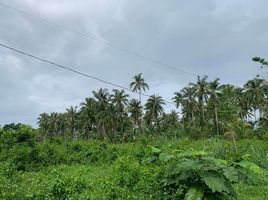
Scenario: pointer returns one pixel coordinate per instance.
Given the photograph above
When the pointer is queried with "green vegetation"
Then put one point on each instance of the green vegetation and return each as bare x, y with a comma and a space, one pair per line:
149, 168
207, 109
113, 147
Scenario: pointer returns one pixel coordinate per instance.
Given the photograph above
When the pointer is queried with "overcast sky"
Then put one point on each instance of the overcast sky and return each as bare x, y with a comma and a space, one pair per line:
212, 37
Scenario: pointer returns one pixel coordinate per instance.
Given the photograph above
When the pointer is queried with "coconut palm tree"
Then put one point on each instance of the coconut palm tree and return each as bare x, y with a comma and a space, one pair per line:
201, 88
135, 110
214, 92
72, 120
54, 123
102, 96
139, 84
102, 102
111, 120
169, 120
62, 124
154, 108
255, 91
44, 123
178, 99
120, 101
189, 102
243, 103
88, 116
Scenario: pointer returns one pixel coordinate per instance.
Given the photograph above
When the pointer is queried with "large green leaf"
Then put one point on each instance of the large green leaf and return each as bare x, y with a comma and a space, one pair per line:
218, 162
192, 154
250, 166
155, 150
195, 193
217, 182
232, 174
194, 165
165, 157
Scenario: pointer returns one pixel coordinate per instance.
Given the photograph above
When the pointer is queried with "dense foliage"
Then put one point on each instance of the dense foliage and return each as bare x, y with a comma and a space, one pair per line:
207, 108
149, 168
214, 146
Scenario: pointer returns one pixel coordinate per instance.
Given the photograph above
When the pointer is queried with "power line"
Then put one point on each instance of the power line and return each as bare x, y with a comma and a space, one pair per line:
99, 40
74, 71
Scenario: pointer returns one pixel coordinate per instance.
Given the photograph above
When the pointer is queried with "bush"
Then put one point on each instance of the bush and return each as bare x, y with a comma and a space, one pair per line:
19, 148
198, 178
64, 188
149, 168
23, 135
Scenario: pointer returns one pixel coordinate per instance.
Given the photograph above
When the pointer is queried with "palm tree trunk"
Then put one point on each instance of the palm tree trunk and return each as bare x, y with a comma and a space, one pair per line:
103, 130
141, 128
260, 112
203, 114
202, 123
140, 95
217, 121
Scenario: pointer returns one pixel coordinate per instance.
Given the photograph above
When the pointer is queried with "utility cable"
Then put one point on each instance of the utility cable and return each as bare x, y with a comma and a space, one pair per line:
74, 71
107, 43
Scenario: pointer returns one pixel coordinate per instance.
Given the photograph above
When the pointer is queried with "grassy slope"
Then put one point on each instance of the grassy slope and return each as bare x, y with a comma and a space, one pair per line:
96, 170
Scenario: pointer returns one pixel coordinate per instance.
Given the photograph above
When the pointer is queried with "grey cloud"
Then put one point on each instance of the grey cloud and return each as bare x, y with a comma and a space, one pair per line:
212, 37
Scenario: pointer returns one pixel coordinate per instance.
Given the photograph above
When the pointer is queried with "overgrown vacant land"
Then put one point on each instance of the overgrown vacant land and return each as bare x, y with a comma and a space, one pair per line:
116, 148
148, 168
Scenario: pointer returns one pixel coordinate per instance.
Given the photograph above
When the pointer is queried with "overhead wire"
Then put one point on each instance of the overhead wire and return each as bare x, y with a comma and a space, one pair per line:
75, 71
107, 43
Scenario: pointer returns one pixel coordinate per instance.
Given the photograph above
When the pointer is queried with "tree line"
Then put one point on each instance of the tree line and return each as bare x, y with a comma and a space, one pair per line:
204, 108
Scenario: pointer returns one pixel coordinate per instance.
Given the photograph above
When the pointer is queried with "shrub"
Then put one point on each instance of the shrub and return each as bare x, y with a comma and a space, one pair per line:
64, 188
259, 156
19, 148
199, 178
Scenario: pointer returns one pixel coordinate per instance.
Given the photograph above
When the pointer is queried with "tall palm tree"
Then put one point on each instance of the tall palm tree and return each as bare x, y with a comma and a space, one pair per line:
102, 96
71, 120
243, 102
214, 92
88, 115
111, 119
255, 89
44, 123
189, 102
120, 99
154, 108
139, 84
169, 120
62, 124
135, 110
178, 99
201, 88
54, 123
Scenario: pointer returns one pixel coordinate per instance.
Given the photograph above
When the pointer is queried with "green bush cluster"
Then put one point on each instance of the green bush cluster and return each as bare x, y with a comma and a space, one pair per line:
67, 169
